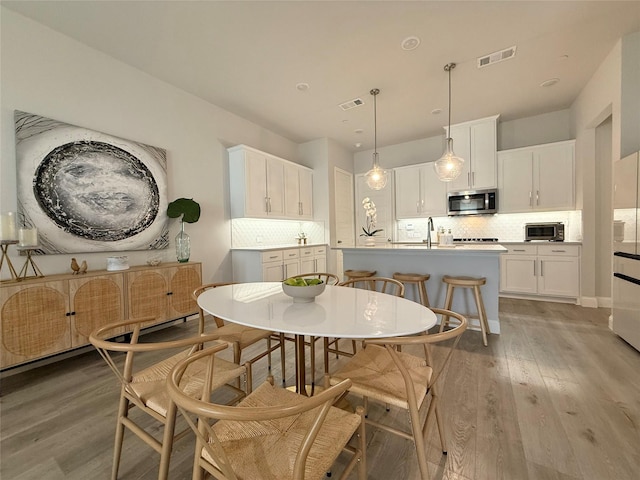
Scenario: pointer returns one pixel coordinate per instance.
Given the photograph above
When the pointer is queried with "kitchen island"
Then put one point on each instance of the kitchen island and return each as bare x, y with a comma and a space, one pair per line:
476, 260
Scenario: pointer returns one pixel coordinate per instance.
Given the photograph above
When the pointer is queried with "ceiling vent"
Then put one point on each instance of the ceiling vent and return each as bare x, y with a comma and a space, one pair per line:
496, 57
356, 102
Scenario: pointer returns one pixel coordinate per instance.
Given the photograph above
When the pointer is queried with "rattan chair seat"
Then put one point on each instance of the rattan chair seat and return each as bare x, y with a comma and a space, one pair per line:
375, 375
245, 336
262, 449
150, 384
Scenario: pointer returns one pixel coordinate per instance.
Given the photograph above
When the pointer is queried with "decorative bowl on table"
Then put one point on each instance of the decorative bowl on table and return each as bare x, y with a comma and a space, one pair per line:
303, 290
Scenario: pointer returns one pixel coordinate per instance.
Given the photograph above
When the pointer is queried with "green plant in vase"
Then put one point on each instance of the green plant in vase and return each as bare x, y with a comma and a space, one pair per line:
189, 211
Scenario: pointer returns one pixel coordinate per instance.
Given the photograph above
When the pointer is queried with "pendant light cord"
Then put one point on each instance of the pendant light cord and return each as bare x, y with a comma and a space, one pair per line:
375, 93
448, 67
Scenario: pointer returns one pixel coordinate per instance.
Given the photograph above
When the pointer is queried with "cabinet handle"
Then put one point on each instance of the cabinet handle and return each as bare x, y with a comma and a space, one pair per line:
292, 254
339, 241
266, 204
518, 249
69, 314
275, 256
269, 201
169, 293
558, 251
473, 178
535, 263
537, 197
530, 199
418, 206
469, 178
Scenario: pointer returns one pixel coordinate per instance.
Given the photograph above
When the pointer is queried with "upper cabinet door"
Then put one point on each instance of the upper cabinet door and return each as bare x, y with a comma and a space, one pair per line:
408, 195
298, 193
476, 142
255, 185
553, 177
515, 181
275, 187
306, 193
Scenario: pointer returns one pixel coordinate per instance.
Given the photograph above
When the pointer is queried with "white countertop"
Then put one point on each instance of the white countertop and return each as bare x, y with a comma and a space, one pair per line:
422, 247
266, 248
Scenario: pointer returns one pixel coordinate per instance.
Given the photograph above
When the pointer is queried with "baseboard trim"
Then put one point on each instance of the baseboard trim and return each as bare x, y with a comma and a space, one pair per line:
589, 302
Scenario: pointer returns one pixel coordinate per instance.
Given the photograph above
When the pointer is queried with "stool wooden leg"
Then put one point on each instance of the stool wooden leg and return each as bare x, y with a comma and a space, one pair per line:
482, 315
424, 297
447, 306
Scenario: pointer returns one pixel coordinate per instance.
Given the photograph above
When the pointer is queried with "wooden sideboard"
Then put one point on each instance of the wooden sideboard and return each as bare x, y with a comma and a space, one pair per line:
40, 317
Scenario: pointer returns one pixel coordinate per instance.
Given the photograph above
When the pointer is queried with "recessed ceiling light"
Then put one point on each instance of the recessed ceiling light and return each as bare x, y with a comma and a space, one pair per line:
550, 82
358, 130
357, 145
410, 43
345, 120
436, 111
303, 87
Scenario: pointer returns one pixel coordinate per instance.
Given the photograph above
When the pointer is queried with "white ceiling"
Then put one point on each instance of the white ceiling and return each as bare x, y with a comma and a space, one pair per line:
247, 57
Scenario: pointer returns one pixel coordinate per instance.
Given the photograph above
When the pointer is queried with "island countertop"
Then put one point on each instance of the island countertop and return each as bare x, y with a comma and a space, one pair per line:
435, 249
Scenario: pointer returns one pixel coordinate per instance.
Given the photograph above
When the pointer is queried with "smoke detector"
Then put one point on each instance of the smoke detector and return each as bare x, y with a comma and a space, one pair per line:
356, 102
496, 57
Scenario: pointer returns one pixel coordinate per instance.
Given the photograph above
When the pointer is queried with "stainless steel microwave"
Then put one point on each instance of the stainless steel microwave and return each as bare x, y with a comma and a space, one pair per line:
550, 232
472, 202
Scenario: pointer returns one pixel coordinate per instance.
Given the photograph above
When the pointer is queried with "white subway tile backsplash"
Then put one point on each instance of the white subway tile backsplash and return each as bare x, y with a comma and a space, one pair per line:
252, 232
508, 227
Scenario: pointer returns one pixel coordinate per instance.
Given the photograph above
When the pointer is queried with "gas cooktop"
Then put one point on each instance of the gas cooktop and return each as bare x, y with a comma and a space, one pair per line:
475, 240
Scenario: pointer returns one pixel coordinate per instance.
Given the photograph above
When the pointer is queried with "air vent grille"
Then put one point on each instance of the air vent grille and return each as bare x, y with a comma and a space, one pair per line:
496, 57
356, 102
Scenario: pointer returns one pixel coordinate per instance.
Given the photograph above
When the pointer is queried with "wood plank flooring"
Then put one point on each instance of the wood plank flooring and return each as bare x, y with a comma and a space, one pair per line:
555, 396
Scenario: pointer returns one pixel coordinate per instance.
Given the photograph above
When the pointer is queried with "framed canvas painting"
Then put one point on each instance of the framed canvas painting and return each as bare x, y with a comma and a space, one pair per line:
87, 191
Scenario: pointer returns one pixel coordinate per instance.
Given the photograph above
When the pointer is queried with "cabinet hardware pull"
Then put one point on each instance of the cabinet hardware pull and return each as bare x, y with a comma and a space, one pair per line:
469, 178
537, 197
558, 251
518, 249
275, 256
541, 269
169, 293
530, 199
418, 206
269, 198
68, 314
473, 178
339, 241
534, 268
266, 204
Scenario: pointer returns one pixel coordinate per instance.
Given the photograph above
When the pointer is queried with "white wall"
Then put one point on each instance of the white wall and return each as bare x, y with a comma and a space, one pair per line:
630, 104
599, 99
539, 129
46, 73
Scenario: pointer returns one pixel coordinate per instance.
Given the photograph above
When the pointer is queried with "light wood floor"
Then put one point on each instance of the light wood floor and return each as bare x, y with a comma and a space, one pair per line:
556, 396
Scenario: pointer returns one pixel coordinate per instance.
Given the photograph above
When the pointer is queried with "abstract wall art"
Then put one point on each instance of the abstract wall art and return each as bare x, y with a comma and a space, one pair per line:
87, 191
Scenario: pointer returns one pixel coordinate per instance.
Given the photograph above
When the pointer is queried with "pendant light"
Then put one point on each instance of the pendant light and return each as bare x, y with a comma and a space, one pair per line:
449, 166
377, 176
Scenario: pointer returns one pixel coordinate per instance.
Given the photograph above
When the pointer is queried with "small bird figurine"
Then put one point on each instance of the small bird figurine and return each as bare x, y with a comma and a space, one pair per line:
74, 266
83, 267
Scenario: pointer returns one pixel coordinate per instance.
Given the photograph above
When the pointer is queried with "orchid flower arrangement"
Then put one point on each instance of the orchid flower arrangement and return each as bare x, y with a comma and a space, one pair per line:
372, 218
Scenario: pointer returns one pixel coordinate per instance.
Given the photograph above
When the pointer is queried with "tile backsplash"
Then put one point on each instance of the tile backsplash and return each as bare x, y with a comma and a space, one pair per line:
506, 227
254, 232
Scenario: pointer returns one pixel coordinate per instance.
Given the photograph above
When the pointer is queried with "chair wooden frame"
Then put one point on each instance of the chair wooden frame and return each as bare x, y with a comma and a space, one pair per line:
232, 333
379, 284
254, 427
145, 389
411, 371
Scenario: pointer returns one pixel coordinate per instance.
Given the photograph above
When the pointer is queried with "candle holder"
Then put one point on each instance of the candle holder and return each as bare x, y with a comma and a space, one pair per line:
28, 250
4, 244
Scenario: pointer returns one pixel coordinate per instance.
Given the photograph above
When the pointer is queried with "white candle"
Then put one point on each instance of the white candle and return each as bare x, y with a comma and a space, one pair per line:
28, 237
8, 226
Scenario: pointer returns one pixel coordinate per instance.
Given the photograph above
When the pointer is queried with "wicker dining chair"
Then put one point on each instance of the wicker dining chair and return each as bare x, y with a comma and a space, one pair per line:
382, 373
328, 279
241, 337
378, 284
272, 434
145, 388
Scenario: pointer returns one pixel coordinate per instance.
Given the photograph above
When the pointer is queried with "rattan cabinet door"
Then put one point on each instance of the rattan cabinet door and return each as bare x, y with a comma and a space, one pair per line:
95, 301
35, 322
183, 281
148, 293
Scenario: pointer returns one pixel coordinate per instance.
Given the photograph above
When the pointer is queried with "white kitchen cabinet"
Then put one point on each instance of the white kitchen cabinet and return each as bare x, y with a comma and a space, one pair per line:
419, 192
259, 187
543, 270
276, 265
477, 143
538, 178
298, 192
313, 259
383, 199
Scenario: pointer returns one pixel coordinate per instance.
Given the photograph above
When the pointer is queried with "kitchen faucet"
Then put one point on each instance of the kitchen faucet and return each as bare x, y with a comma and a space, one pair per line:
429, 230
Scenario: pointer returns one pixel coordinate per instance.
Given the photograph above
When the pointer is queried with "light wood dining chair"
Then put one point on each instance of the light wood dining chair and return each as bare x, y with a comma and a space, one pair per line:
241, 337
146, 388
328, 279
272, 434
382, 373
378, 284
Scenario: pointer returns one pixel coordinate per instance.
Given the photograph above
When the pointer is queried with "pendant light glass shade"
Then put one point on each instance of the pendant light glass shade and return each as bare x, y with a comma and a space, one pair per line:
377, 176
449, 166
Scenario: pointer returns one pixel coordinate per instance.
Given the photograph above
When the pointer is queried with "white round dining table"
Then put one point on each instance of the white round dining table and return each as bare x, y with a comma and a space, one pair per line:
341, 312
